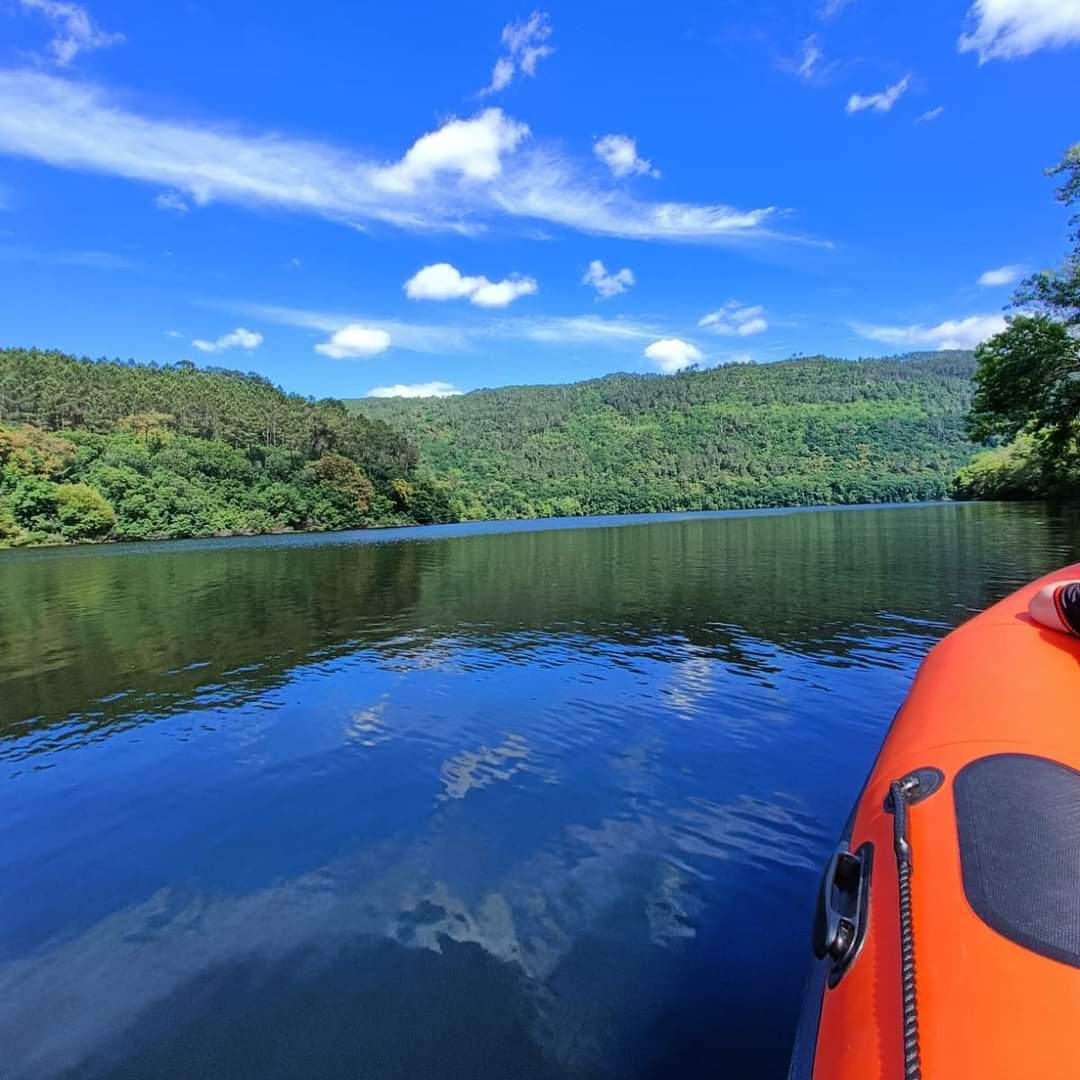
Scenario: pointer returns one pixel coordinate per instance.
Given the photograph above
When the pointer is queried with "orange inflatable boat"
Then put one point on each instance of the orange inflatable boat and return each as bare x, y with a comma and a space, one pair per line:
947, 938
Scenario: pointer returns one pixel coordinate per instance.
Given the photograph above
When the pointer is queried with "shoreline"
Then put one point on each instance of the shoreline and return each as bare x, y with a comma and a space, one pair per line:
416, 533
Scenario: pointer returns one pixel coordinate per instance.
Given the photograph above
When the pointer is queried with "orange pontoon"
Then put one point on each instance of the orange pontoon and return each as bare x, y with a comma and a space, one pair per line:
947, 940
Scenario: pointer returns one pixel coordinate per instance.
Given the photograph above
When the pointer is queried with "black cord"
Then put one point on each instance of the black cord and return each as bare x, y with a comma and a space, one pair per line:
900, 789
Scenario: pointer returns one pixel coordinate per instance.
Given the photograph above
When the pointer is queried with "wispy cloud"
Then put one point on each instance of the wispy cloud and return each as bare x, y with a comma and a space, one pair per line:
459, 177
235, 339
673, 354
75, 31
811, 55
585, 329
882, 101
809, 62
90, 260
930, 114
619, 154
735, 319
1002, 275
171, 200
441, 281
607, 285
413, 337
415, 390
593, 330
831, 8
525, 43
1013, 29
963, 333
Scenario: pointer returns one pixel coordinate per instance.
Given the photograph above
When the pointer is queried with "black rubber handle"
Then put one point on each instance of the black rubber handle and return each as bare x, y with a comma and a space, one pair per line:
842, 907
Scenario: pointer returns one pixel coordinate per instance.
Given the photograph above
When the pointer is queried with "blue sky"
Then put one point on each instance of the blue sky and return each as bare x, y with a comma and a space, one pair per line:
351, 197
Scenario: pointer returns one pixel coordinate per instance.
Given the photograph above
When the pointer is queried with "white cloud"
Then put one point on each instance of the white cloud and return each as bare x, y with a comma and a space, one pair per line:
525, 43
811, 54
75, 30
470, 149
619, 154
1012, 29
171, 200
415, 390
235, 339
608, 285
173, 334
1003, 275
441, 281
673, 354
458, 177
951, 334
735, 319
499, 294
354, 341
930, 114
882, 101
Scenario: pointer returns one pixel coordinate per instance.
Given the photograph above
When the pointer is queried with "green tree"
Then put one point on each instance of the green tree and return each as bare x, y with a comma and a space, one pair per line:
1057, 292
9, 527
33, 502
430, 502
148, 424
345, 479
84, 513
1004, 472
1028, 379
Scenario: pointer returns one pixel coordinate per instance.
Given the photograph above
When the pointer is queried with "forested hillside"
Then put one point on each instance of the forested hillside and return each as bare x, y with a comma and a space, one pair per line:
793, 433
99, 450
93, 450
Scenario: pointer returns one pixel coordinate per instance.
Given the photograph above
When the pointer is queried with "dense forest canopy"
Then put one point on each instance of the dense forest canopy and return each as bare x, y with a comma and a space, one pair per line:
792, 433
56, 392
93, 450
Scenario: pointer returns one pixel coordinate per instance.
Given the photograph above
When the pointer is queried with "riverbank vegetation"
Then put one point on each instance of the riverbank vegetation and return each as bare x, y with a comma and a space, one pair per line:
1027, 382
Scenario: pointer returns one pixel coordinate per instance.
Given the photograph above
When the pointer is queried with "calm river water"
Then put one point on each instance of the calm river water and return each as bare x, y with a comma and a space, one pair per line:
502, 801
